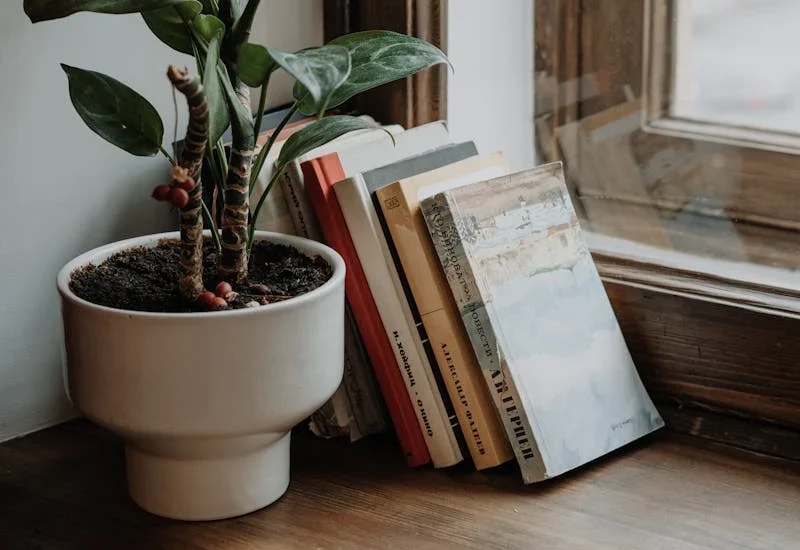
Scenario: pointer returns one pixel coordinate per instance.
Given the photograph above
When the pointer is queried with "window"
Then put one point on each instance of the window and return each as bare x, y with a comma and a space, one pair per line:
678, 122
735, 64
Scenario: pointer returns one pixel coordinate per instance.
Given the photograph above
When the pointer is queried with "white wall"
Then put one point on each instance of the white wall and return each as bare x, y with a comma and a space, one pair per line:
490, 91
63, 190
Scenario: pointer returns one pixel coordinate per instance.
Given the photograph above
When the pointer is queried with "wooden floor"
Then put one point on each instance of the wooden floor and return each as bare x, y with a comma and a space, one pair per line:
64, 489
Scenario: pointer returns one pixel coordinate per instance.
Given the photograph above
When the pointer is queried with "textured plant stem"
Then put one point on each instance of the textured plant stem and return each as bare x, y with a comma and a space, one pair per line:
236, 213
191, 218
233, 263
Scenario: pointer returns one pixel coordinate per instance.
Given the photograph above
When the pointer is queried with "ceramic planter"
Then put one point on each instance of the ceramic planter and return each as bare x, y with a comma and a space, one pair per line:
205, 401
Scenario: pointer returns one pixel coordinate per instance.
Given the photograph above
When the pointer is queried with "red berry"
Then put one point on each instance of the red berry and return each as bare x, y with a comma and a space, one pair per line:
178, 197
187, 184
218, 302
205, 299
161, 192
223, 289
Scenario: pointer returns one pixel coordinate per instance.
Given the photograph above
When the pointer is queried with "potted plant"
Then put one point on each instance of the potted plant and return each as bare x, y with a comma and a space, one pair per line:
204, 347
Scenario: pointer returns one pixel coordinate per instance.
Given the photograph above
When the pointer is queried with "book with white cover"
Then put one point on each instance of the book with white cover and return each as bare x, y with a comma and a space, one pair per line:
539, 319
291, 181
371, 149
364, 227
274, 214
357, 405
395, 303
368, 150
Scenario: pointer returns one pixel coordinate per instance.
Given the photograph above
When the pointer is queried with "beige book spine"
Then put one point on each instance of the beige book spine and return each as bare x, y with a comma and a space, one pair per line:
471, 398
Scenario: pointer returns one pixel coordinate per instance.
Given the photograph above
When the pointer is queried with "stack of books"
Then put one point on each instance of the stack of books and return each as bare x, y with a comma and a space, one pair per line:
477, 327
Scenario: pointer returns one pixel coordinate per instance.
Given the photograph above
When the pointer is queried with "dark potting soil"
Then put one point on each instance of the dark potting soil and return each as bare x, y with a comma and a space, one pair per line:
146, 279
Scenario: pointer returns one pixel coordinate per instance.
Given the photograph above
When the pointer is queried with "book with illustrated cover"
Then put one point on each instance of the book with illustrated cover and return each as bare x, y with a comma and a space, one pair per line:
539, 319
469, 392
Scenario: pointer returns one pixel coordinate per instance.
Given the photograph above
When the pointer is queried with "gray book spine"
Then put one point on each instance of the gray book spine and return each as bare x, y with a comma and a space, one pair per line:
442, 225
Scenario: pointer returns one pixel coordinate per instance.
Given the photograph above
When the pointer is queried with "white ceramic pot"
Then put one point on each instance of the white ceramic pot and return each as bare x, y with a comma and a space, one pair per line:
205, 401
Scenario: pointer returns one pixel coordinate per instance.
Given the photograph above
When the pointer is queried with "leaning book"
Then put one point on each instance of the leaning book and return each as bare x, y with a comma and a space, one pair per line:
539, 320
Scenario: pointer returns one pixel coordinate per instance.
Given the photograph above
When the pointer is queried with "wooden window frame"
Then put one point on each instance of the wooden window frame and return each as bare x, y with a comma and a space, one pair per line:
667, 38
718, 352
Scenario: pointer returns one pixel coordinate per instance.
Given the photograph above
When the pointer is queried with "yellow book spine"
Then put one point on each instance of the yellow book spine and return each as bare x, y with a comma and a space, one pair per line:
479, 420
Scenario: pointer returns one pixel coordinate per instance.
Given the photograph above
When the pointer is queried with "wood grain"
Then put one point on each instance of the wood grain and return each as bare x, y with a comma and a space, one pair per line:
64, 489
414, 100
731, 360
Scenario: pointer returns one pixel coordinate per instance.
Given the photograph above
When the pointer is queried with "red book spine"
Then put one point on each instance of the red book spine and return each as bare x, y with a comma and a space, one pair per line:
319, 175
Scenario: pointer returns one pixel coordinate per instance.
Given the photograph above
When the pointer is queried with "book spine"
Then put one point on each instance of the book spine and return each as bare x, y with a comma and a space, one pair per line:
300, 210
384, 283
480, 424
365, 410
475, 318
318, 176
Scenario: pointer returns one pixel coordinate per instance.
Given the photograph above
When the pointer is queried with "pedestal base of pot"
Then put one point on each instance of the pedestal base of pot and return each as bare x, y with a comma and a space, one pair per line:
235, 477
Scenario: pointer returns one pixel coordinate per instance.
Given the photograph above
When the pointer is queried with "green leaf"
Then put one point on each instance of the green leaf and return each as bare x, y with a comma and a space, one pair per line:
170, 24
115, 112
319, 133
318, 71
45, 10
210, 7
230, 11
255, 64
208, 26
218, 118
243, 118
377, 57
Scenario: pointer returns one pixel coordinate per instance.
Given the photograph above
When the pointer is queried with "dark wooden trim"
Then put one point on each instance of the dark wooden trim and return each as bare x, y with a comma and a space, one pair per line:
712, 357
765, 440
415, 100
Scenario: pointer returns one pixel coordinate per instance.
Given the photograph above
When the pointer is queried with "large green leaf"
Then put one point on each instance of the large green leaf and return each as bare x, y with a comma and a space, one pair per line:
255, 64
115, 112
170, 24
319, 133
208, 26
44, 10
377, 57
218, 117
319, 71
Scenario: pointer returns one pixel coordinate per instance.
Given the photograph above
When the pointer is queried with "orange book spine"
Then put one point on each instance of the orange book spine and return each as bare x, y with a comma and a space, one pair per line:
319, 176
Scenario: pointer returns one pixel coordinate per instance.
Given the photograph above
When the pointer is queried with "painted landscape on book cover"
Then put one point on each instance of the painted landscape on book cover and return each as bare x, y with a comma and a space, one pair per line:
556, 331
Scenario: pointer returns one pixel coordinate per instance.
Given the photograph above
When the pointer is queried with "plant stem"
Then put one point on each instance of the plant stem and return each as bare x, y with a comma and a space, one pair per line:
218, 175
191, 220
166, 154
254, 217
241, 28
236, 213
219, 149
262, 103
262, 155
213, 226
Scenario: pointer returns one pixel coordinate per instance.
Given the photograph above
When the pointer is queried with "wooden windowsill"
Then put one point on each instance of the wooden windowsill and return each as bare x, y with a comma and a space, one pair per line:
65, 488
763, 288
